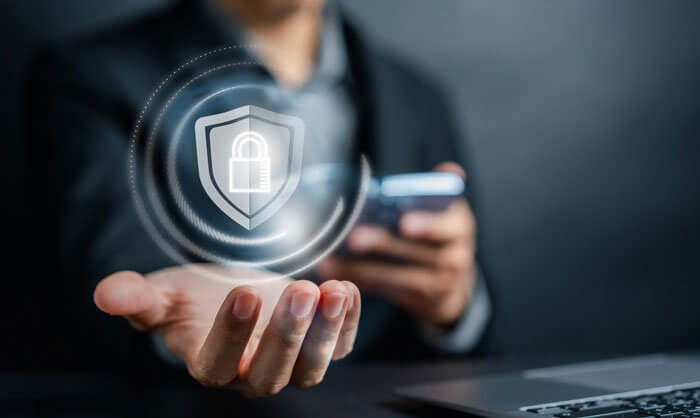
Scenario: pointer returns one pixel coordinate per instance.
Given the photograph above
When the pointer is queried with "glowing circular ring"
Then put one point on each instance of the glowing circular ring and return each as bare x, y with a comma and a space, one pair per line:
180, 201
152, 194
153, 230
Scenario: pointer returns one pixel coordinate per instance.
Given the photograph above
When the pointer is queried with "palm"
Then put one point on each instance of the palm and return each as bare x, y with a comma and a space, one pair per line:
193, 297
241, 329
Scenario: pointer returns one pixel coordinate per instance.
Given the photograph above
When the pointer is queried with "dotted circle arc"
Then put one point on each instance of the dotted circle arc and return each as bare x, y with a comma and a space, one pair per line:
153, 230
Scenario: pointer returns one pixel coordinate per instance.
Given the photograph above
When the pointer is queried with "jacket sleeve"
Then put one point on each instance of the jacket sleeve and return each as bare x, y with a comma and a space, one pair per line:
80, 126
442, 141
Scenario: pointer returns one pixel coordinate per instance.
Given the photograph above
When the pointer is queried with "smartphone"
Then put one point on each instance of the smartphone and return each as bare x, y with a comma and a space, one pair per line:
391, 196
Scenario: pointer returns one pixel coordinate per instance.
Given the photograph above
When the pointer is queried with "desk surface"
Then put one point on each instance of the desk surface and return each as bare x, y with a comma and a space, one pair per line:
348, 391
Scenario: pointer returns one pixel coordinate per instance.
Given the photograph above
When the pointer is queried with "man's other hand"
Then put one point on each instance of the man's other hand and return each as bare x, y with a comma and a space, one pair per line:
255, 336
437, 277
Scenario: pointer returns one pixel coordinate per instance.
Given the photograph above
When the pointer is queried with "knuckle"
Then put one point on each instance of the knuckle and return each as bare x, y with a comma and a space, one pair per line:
455, 266
446, 282
197, 374
205, 378
437, 290
341, 355
265, 388
425, 289
209, 381
437, 294
418, 294
348, 333
346, 338
454, 262
321, 337
309, 381
291, 336
343, 351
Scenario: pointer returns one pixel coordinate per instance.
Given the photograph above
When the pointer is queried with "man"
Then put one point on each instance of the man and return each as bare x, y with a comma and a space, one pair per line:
257, 338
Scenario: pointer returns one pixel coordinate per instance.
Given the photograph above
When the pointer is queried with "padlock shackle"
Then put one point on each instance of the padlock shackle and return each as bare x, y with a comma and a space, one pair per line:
245, 137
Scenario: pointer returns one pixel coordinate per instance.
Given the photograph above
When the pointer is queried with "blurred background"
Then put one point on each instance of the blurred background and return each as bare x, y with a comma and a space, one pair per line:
582, 126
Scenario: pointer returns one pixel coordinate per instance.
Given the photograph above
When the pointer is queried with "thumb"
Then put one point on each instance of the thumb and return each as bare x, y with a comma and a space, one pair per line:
452, 167
128, 294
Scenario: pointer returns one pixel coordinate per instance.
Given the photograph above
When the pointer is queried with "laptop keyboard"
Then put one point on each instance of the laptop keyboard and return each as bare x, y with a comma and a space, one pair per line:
674, 404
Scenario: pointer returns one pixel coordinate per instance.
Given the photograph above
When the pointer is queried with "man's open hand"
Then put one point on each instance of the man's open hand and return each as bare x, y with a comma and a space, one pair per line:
255, 338
437, 276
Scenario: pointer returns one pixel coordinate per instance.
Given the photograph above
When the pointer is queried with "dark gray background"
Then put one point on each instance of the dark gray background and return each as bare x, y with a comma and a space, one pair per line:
583, 140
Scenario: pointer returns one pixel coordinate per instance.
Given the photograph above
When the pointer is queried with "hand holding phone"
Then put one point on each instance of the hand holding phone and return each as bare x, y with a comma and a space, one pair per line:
414, 245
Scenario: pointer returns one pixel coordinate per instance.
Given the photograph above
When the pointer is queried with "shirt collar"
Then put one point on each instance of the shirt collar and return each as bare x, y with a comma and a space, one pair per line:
331, 59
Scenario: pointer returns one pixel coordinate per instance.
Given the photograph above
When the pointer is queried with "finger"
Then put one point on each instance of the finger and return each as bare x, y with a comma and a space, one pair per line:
452, 167
415, 289
376, 240
453, 224
319, 343
273, 362
432, 226
128, 294
346, 338
217, 362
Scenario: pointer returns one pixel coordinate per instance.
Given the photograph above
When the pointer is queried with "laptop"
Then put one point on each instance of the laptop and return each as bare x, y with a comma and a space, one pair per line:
660, 385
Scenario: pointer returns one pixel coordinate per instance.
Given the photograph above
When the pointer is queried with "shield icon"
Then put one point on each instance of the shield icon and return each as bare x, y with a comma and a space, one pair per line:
249, 161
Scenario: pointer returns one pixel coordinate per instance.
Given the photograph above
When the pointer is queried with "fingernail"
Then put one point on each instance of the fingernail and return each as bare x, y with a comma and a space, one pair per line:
301, 304
333, 304
244, 305
362, 238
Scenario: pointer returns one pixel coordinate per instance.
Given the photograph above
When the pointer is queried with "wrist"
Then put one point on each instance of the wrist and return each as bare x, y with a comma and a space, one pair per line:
466, 332
455, 302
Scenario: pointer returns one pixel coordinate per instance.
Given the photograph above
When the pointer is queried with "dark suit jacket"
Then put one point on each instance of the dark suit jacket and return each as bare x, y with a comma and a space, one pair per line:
85, 97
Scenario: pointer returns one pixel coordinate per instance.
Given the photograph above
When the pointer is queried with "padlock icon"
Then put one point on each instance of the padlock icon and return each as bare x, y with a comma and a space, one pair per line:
251, 173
